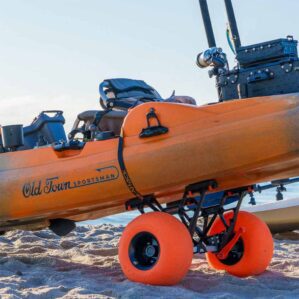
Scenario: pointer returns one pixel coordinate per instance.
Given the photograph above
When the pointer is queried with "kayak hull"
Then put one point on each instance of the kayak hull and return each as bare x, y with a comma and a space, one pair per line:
280, 216
236, 143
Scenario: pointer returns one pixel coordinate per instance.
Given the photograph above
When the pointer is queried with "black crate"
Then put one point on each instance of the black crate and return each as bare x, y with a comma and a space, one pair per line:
280, 77
267, 52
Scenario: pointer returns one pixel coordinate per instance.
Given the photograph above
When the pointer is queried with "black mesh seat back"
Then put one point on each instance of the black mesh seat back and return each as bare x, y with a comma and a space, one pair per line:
128, 88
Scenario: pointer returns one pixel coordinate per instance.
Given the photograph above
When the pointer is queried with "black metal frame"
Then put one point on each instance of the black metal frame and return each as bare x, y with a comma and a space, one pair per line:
192, 203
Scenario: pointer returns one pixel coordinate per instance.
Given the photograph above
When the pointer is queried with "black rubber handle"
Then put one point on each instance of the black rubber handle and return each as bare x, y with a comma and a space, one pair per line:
153, 131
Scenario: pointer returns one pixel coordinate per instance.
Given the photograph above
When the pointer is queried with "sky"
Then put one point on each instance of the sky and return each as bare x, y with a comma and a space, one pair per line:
54, 53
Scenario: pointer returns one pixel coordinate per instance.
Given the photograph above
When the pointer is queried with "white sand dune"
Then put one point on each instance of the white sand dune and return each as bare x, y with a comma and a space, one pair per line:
84, 265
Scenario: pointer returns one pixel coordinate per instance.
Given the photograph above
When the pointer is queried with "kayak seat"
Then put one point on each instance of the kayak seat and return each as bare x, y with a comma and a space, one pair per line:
117, 96
122, 93
110, 121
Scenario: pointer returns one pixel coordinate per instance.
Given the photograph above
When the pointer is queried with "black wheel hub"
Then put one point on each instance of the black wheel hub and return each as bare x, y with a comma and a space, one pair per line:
235, 254
144, 251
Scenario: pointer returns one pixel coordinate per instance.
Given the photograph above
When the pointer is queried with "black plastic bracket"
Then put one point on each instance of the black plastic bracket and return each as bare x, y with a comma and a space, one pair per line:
201, 187
147, 201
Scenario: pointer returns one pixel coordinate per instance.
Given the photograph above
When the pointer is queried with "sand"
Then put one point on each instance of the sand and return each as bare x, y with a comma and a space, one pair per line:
84, 264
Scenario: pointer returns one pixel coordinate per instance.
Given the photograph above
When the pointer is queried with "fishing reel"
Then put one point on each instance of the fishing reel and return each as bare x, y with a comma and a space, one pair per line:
215, 58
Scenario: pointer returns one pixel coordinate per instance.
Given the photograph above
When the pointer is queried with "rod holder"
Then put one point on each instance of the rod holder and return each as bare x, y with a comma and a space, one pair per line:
232, 23
207, 23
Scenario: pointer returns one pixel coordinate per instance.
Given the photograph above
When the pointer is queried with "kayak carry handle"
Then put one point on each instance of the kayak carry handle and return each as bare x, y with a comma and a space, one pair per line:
151, 131
68, 149
52, 111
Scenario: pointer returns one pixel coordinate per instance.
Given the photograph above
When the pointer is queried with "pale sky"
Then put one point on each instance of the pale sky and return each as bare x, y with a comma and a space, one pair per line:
54, 53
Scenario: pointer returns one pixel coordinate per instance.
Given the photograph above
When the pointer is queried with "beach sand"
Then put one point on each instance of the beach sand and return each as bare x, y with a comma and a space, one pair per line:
84, 264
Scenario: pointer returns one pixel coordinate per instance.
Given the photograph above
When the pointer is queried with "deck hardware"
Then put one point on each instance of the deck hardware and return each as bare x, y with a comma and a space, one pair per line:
155, 130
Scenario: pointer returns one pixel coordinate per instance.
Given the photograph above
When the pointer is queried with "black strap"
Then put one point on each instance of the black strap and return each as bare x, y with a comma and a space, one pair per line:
99, 115
124, 170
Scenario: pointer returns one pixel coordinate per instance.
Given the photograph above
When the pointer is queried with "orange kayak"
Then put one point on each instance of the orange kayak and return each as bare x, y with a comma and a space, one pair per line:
237, 143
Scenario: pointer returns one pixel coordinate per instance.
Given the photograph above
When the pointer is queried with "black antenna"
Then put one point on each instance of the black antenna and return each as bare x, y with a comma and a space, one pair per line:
232, 23
207, 23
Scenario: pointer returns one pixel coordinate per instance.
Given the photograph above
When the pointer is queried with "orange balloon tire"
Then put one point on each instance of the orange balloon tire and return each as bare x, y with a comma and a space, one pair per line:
257, 246
175, 248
